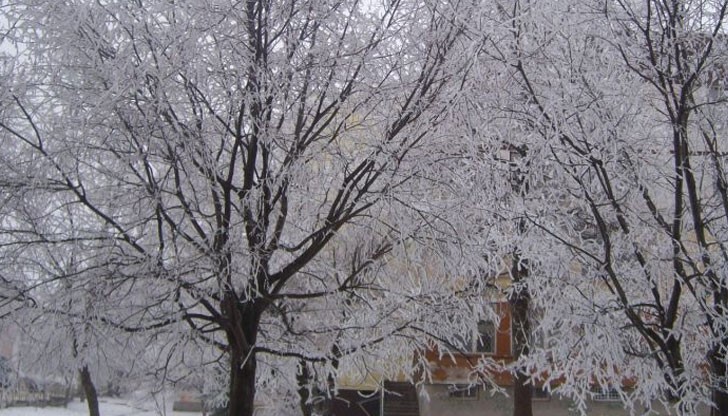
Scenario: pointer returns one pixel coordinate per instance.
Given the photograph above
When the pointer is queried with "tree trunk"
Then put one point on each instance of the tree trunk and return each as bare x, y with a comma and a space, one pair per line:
305, 389
312, 400
89, 391
521, 332
720, 394
718, 365
522, 395
522, 389
241, 401
242, 333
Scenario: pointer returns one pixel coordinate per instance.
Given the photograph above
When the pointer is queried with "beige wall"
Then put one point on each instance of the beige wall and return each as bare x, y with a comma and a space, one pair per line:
440, 404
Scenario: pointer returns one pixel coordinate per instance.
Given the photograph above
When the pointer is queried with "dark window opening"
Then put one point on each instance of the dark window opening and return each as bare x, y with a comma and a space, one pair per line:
463, 391
540, 393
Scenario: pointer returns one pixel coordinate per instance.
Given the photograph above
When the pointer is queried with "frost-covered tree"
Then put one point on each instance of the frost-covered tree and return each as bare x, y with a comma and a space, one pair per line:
203, 156
621, 105
71, 324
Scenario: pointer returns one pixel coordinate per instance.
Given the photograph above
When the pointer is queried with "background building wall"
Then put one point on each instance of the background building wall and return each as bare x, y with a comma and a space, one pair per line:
436, 401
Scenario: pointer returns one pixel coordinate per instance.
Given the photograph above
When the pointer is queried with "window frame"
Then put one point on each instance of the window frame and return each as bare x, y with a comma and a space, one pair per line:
491, 333
540, 393
602, 394
464, 392
473, 341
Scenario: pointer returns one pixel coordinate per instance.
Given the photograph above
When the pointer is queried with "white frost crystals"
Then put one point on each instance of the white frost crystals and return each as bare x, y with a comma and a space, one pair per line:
260, 195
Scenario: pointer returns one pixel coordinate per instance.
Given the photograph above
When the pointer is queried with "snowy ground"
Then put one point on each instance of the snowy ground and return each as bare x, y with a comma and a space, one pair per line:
108, 407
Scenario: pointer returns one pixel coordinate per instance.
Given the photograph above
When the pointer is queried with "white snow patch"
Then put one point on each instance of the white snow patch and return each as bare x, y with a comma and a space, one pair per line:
108, 407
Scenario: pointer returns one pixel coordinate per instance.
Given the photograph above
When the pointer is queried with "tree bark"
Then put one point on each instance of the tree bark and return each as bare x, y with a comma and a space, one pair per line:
521, 331
720, 401
720, 390
718, 365
242, 333
522, 396
304, 380
312, 400
89, 391
242, 385
522, 388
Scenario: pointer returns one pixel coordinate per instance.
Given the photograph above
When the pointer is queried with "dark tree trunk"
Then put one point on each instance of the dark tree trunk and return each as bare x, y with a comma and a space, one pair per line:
522, 394
521, 332
242, 332
89, 391
242, 385
720, 390
311, 399
522, 389
718, 365
305, 389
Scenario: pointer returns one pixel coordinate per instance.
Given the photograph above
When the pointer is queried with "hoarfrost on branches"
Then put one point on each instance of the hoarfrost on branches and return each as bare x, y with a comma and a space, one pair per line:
248, 169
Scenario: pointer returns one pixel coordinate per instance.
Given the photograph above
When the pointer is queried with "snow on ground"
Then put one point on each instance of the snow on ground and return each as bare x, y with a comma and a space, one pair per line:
108, 407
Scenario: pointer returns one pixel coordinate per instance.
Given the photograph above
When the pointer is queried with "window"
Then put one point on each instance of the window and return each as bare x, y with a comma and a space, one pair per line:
486, 337
463, 392
480, 340
603, 394
540, 393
